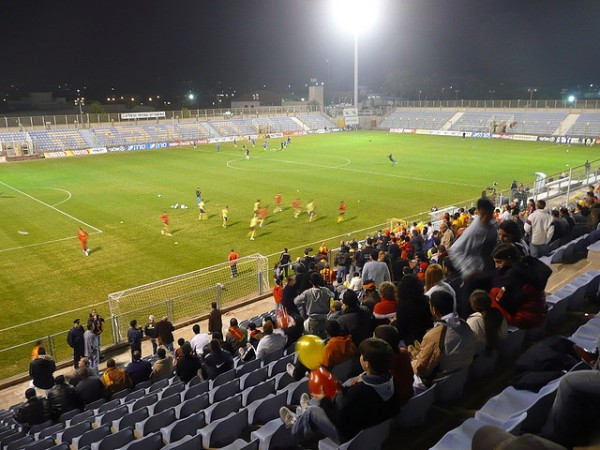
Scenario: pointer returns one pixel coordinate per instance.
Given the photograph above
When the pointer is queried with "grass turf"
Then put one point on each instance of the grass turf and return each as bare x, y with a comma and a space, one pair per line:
118, 198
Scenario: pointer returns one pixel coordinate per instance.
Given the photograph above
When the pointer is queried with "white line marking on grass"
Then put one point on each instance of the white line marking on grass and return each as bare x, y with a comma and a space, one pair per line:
20, 247
65, 200
52, 207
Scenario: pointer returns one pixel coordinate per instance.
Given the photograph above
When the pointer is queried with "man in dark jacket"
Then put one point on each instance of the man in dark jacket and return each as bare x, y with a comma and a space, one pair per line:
134, 337
41, 369
218, 361
355, 320
188, 365
61, 398
76, 342
367, 401
164, 330
89, 388
138, 370
32, 412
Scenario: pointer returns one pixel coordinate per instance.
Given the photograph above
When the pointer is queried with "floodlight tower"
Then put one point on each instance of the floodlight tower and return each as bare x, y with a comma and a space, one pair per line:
357, 16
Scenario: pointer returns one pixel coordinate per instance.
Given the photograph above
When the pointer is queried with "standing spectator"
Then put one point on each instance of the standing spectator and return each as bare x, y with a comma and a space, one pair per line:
97, 323
342, 262
32, 412
61, 398
236, 337
150, 331
284, 262
218, 361
114, 379
413, 317
139, 370
472, 252
288, 295
41, 370
188, 365
199, 341
91, 347
539, 227
215, 322
134, 337
278, 292
164, 331
378, 271
76, 342
233, 257
315, 304
163, 366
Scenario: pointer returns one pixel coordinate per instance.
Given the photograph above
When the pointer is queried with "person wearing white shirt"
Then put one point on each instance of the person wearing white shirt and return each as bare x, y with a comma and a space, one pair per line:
199, 341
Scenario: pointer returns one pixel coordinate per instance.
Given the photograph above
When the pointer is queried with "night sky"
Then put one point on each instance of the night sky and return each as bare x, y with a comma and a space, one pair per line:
173, 46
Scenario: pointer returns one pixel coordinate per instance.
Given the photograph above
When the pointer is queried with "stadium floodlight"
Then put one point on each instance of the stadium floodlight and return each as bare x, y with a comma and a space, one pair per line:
571, 98
190, 96
356, 16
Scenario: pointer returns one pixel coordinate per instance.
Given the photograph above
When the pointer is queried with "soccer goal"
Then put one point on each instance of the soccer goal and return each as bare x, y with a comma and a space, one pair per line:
190, 294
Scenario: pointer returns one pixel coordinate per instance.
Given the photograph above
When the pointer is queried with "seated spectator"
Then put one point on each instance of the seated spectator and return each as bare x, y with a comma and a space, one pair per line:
32, 412
236, 337
199, 341
216, 362
339, 348
385, 311
520, 296
188, 365
370, 297
61, 398
448, 347
355, 319
402, 372
364, 402
89, 388
179, 350
270, 342
254, 334
413, 317
83, 370
336, 310
509, 232
139, 370
41, 370
163, 366
434, 281
487, 323
114, 379
356, 283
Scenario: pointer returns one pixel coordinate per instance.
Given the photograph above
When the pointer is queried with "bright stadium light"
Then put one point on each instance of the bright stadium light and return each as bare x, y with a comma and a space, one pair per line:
355, 16
571, 98
190, 96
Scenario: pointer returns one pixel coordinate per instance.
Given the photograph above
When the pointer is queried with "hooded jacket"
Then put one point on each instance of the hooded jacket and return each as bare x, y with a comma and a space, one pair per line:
368, 401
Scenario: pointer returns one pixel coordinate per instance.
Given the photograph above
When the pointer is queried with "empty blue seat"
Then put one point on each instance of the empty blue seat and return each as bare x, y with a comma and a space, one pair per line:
371, 438
224, 431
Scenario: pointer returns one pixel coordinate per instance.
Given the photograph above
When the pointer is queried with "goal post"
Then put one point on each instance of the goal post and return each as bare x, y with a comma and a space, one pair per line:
191, 294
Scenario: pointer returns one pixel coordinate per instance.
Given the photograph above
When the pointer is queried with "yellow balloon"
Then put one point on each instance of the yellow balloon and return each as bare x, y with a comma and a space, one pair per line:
310, 351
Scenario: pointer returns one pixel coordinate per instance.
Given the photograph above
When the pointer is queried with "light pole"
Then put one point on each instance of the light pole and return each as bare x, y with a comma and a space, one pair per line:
531, 91
355, 15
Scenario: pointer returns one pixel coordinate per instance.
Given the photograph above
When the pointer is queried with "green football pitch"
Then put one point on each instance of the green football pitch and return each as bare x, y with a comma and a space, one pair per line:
118, 198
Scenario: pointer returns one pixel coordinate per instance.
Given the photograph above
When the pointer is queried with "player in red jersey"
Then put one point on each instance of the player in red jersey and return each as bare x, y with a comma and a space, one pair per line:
83, 237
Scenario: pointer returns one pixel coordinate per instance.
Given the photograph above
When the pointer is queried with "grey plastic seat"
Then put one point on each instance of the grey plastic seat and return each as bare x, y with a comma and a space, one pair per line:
279, 366
20, 443
148, 400
413, 413
175, 388
188, 426
143, 385
122, 394
450, 388
274, 432
105, 407
224, 431
266, 409
40, 444
225, 377
223, 408
73, 431
274, 356
196, 390
159, 385
247, 367
253, 378
66, 416
224, 391
240, 444
129, 420
166, 403
116, 440
50, 431
371, 438
40, 426
91, 436
95, 405
153, 441
187, 443
112, 415
192, 405
155, 422
135, 395
81, 417
259, 391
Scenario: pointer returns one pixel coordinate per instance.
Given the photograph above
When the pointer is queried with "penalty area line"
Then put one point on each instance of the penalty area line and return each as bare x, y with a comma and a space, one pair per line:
51, 207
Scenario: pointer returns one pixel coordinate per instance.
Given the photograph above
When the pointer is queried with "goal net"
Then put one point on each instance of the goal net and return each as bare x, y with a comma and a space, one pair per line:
190, 294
